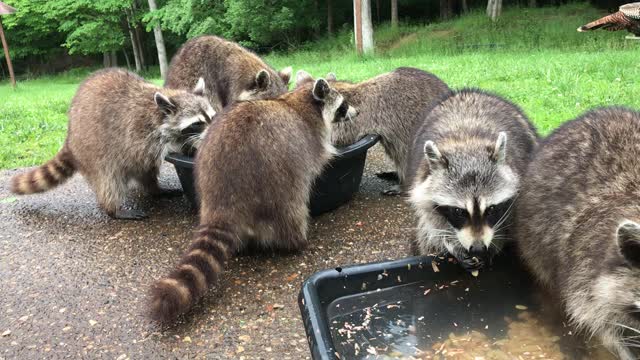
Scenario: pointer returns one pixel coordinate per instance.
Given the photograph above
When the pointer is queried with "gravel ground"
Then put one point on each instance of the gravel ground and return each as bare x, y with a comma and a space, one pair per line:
73, 283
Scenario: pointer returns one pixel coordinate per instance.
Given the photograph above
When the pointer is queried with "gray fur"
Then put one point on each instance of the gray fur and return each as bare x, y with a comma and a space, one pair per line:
254, 174
391, 105
577, 223
231, 72
469, 152
120, 129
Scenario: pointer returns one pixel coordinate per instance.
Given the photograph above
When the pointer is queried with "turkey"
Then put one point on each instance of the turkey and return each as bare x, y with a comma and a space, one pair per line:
628, 18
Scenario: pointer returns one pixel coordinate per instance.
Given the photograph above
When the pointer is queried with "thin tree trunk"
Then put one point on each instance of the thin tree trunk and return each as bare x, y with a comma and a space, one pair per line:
533, 3
114, 58
134, 42
126, 58
162, 51
378, 11
465, 7
394, 13
494, 9
143, 63
444, 10
106, 59
329, 17
5, 46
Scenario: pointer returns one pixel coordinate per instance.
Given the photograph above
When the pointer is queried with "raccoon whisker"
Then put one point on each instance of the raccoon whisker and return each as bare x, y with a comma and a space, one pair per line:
627, 327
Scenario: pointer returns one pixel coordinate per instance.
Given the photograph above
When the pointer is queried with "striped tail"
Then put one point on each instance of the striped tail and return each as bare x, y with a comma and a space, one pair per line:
196, 272
49, 175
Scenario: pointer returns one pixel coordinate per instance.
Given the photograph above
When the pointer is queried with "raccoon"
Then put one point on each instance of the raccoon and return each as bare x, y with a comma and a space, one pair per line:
577, 223
120, 129
254, 174
463, 173
231, 72
390, 105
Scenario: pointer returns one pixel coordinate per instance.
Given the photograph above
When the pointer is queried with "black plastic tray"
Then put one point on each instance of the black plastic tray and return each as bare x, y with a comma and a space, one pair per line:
335, 186
396, 291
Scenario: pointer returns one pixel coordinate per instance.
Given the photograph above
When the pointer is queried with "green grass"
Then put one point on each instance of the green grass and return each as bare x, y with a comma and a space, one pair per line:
539, 62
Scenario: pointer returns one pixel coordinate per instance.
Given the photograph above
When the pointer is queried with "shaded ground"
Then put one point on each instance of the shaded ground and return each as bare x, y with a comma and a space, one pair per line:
73, 283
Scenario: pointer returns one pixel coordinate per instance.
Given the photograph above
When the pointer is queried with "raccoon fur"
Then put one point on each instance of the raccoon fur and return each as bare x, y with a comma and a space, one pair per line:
577, 224
391, 106
231, 72
254, 176
120, 128
463, 173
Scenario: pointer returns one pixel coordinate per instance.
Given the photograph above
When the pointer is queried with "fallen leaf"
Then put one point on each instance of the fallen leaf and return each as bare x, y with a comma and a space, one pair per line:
292, 277
6, 333
278, 306
359, 223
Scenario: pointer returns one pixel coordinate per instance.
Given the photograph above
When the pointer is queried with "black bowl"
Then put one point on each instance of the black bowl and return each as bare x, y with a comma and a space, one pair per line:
335, 186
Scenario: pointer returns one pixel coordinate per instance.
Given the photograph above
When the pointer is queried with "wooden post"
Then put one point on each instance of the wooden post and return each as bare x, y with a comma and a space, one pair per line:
357, 16
5, 46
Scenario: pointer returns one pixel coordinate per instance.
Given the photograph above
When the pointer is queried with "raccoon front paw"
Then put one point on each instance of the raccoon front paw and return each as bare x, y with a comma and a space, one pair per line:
130, 214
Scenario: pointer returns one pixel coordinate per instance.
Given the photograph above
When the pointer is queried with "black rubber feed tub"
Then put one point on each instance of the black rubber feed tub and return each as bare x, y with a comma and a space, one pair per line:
410, 308
335, 186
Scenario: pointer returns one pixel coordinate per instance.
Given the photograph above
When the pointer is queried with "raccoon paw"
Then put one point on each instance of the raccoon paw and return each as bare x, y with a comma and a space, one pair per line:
393, 191
391, 176
130, 214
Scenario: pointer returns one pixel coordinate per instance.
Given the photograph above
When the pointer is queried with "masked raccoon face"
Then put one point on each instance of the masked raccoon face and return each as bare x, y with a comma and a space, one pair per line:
186, 116
334, 107
265, 86
470, 193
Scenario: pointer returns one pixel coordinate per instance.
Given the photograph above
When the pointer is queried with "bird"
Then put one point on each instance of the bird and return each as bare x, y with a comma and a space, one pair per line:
627, 18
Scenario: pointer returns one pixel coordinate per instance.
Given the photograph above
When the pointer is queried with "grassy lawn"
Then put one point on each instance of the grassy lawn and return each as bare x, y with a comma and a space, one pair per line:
533, 57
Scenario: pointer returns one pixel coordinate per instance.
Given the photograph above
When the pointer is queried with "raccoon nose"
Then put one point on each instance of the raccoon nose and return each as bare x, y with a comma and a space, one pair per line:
478, 250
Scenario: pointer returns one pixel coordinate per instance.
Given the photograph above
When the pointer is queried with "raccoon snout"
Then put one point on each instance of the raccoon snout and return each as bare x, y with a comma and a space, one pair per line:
478, 250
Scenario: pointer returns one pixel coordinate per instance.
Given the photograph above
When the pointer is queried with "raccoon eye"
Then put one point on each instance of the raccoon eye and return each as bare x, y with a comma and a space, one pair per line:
456, 216
494, 213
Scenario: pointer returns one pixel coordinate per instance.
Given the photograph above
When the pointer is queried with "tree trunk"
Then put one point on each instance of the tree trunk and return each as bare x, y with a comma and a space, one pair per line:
162, 51
533, 3
138, 35
394, 13
445, 9
363, 26
114, 58
106, 59
494, 9
378, 11
134, 42
465, 7
329, 17
126, 58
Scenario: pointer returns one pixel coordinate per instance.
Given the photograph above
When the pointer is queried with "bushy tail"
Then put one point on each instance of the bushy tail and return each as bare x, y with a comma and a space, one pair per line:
49, 175
196, 272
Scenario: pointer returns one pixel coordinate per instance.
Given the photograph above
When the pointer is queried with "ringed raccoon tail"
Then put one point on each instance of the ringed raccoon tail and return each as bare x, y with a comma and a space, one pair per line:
47, 176
196, 272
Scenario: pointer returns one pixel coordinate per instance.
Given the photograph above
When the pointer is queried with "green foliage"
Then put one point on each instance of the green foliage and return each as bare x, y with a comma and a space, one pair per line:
553, 77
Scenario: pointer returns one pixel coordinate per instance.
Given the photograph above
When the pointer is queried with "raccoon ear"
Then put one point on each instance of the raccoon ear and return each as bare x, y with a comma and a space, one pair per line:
432, 154
321, 89
200, 87
500, 151
302, 77
262, 80
164, 104
628, 236
285, 74
331, 77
